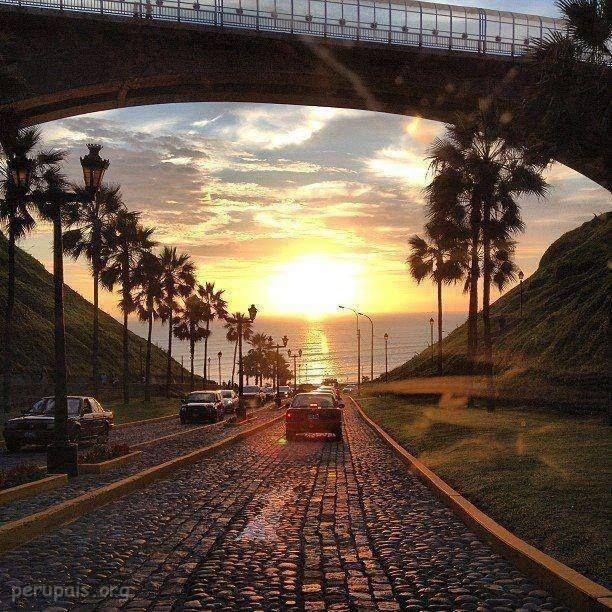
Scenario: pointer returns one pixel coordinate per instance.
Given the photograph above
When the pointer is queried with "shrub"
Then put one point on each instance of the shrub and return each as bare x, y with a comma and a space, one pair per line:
104, 452
18, 475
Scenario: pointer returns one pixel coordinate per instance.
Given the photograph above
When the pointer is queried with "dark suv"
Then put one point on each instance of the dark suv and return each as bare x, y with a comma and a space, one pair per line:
204, 406
87, 420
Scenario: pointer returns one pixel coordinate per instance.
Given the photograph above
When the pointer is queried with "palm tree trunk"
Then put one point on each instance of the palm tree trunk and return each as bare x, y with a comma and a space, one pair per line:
486, 305
96, 330
206, 373
440, 327
60, 374
192, 352
169, 362
148, 358
8, 324
472, 331
234, 363
126, 359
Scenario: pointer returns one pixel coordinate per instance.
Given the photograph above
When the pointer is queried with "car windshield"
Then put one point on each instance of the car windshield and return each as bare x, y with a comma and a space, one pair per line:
46, 407
226, 394
304, 400
251, 390
202, 397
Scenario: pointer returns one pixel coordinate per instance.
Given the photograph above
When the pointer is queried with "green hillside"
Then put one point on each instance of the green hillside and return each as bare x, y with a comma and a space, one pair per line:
33, 327
558, 349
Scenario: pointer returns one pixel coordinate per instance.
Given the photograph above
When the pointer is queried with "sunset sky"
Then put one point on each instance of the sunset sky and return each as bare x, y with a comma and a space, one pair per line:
292, 208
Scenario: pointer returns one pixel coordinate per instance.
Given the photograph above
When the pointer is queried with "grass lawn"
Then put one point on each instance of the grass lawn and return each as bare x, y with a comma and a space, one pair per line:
543, 475
138, 410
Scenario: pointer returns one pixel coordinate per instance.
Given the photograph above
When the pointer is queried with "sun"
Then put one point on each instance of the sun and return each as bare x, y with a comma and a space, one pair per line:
312, 286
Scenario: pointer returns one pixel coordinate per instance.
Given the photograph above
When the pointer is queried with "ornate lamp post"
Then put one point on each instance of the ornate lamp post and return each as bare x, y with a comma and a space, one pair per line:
386, 357
277, 347
295, 358
371, 346
358, 346
219, 355
431, 325
521, 277
241, 318
94, 168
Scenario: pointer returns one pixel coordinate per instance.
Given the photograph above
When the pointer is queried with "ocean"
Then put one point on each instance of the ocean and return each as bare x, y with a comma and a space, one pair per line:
329, 346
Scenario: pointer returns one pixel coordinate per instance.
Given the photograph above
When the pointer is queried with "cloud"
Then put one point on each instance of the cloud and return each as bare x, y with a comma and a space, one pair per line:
402, 164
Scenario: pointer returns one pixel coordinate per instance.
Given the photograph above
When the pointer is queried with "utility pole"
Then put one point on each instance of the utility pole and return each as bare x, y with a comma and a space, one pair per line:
431, 325
358, 346
295, 357
386, 357
521, 276
371, 347
182, 371
219, 355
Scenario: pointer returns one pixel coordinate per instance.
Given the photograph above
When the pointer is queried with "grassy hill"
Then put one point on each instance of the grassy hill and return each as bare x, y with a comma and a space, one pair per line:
33, 327
558, 350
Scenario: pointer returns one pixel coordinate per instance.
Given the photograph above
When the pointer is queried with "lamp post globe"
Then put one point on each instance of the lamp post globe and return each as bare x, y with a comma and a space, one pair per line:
94, 168
20, 170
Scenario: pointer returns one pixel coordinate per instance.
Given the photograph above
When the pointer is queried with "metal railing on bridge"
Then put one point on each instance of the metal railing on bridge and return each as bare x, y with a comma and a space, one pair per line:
412, 23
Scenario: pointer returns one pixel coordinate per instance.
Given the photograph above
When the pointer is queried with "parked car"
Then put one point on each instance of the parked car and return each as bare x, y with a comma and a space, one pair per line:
313, 413
253, 395
202, 406
327, 389
269, 391
230, 400
87, 421
284, 391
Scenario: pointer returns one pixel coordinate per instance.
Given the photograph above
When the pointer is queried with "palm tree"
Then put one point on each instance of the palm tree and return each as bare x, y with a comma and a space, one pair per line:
259, 343
178, 280
480, 167
17, 149
190, 325
217, 307
231, 325
53, 203
92, 217
126, 243
148, 299
570, 72
441, 257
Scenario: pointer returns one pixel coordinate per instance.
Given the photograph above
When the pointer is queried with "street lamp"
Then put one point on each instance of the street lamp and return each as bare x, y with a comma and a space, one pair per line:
358, 346
371, 347
521, 277
240, 319
277, 347
94, 168
386, 358
295, 358
219, 355
431, 325
20, 170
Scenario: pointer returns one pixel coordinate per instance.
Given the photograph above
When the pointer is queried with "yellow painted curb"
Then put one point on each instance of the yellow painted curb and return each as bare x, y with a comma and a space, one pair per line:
16, 533
568, 585
32, 488
105, 466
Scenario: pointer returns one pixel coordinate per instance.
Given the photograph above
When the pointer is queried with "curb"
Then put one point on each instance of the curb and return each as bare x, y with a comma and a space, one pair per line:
33, 488
17, 533
166, 417
105, 466
565, 583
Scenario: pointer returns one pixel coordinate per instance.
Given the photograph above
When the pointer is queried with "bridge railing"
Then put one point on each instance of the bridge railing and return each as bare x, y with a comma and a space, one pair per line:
412, 23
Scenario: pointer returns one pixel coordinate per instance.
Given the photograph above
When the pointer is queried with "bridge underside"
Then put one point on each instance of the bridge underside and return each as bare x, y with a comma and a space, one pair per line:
70, 64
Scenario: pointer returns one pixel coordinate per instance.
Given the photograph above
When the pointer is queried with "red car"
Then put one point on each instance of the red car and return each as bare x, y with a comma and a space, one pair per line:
313, 413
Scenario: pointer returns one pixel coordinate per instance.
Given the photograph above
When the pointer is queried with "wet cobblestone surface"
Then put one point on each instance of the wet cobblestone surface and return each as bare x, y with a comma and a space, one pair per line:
153, 454
270, 525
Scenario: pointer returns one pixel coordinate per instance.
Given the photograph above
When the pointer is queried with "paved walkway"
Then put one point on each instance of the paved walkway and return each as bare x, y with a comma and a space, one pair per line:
266, 525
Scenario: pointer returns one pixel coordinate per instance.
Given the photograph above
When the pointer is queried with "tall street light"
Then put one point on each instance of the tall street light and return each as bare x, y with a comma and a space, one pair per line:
358, 346
521, 277
295, 358
371, 347
219, 355
94, 167
240, 319
386, 358
431, 325
278, 347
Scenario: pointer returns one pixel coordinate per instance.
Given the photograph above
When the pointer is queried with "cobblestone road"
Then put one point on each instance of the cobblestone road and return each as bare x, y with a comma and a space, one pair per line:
266, 525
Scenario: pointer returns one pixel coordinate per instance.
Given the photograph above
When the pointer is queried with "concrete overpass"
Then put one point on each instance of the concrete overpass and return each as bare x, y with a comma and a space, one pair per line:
78, 56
